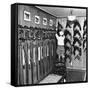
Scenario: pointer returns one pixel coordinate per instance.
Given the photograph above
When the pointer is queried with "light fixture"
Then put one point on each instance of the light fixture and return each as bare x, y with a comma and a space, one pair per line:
71, 17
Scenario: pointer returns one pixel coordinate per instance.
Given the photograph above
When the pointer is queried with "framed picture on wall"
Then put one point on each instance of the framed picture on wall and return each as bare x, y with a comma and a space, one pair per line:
37, 19
51, 22
44, 21
27, 16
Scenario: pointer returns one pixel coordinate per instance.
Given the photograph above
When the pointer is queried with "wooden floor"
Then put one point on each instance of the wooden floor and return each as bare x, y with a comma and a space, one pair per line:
67, 74
51, 78
70, 76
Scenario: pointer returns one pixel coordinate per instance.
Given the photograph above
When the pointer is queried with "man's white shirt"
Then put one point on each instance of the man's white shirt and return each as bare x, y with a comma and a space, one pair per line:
60, 39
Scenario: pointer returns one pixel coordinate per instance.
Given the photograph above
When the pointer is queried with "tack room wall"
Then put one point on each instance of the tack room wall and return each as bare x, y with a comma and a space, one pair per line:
35, 11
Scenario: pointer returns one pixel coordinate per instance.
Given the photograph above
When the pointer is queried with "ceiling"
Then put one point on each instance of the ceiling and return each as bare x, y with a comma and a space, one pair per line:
63, 12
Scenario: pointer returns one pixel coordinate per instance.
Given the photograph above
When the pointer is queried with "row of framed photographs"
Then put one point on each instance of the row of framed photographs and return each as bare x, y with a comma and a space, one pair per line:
27, 17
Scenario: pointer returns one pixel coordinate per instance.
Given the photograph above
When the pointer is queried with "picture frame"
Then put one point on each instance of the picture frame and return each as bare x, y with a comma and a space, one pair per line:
37, 19
27, 16
44, 21
33, 47
51, 22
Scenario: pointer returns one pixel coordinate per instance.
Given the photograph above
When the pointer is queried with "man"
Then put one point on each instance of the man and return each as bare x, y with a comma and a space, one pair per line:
60, 49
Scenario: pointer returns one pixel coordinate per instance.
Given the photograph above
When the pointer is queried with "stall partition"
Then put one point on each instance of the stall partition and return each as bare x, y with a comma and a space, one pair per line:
36, 54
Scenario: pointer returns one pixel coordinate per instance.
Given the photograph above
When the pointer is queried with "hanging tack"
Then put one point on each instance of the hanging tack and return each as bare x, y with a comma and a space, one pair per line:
67, 42
76, 40
66, 32
77, 24
77, 32
84, 35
